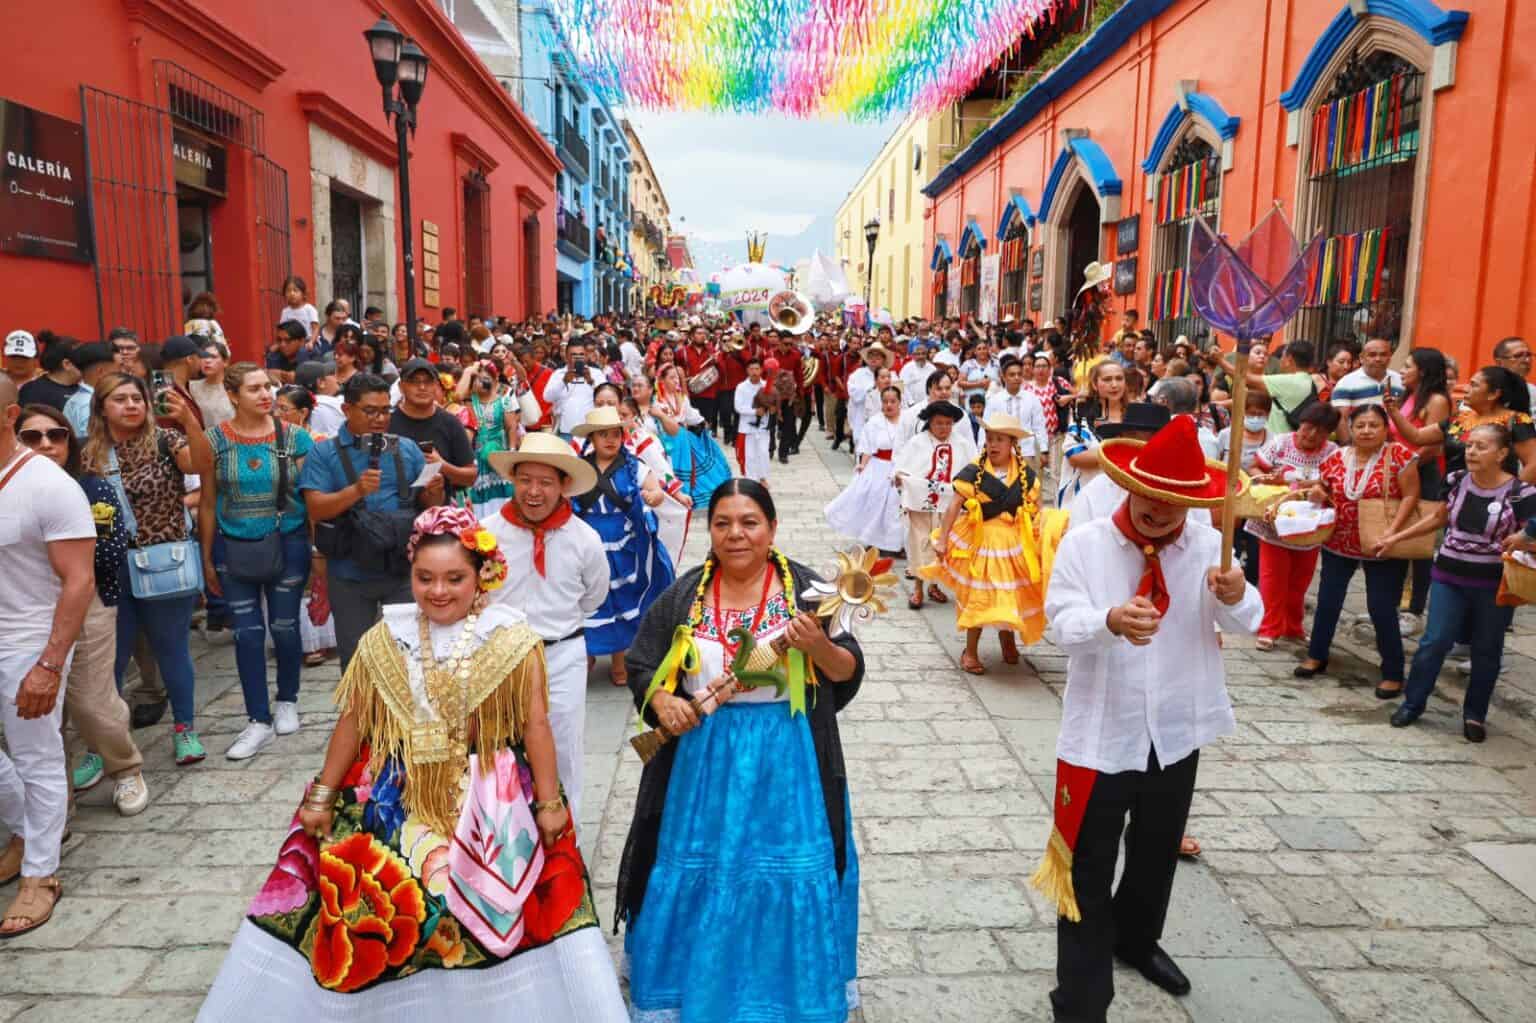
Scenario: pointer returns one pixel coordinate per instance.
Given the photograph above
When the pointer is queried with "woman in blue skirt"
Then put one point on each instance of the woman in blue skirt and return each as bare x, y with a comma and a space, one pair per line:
696, 457
739, 882
639, 567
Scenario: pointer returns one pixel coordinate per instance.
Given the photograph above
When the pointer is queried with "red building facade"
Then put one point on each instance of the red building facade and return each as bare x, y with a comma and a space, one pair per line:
1392, 127
227, 145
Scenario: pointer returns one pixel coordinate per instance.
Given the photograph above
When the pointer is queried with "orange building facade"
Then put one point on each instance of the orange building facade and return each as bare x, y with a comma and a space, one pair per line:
222, 145
1396, 128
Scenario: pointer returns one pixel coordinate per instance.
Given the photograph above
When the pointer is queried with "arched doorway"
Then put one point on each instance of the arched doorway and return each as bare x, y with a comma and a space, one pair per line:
1082, 237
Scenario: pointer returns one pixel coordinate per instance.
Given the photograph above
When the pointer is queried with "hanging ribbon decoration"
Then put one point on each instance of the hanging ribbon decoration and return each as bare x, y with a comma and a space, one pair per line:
861, 59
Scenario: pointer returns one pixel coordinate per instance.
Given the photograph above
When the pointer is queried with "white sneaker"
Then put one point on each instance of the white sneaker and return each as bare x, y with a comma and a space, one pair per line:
130, 795
252, 741
285, 717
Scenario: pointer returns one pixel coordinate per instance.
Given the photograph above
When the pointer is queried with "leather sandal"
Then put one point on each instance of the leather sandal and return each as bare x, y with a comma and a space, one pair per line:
10, 860
1189, 847
936, 595
34, 904
1009, 646
916, 602
972, 665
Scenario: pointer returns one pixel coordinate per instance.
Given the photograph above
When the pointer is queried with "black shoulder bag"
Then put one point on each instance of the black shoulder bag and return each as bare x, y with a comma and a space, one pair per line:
261, 561
361, 534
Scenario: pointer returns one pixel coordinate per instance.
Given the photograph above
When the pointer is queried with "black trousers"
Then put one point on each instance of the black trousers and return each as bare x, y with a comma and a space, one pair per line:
839, 421
728, 417
709, 408
788, 426
1156, 801
820, 395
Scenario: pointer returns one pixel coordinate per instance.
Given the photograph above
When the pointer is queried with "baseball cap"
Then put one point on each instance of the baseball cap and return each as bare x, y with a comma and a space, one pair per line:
21, 344
417, 365
179, 347
312, 372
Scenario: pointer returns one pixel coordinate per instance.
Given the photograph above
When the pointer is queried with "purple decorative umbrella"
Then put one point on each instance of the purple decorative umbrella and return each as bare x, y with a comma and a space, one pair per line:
1250, 291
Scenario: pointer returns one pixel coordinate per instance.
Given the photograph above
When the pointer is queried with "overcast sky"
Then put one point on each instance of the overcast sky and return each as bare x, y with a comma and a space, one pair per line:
727, 174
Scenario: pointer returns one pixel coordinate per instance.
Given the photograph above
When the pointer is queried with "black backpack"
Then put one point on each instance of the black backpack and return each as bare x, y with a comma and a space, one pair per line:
1293, 416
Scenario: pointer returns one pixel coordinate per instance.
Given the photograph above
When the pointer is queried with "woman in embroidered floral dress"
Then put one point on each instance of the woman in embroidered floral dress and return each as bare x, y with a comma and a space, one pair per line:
411, 857
739, 881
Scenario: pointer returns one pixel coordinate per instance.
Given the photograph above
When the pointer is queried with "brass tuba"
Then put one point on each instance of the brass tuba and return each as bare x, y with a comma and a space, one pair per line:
791, 311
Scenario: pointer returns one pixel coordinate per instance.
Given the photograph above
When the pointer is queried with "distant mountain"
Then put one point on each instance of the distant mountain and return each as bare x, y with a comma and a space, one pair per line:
782, 248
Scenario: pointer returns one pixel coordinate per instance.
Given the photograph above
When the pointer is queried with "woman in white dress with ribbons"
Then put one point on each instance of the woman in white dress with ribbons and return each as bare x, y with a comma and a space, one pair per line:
869, 509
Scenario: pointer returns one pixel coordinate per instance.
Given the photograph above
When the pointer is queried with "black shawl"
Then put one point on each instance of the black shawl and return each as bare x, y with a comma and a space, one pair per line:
650, 647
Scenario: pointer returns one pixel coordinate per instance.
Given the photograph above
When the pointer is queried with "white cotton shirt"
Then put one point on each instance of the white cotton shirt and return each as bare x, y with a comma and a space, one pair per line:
748, 420
914, 382
945, 357
1026, 408
1101, 496
556, 604
571, 402
919, 469
327, 417
1123, 701
40, 505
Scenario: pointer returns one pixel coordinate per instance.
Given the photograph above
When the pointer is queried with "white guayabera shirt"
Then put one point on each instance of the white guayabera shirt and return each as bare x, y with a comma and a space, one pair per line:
1123, 701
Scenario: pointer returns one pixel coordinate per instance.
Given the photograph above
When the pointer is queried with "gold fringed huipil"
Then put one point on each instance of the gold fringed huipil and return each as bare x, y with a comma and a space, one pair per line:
395, 719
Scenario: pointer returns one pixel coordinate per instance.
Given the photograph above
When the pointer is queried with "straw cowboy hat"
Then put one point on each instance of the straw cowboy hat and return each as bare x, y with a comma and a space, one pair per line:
1006, 425
1096, 273
548, 449
874, 346
1170, 467
599, 419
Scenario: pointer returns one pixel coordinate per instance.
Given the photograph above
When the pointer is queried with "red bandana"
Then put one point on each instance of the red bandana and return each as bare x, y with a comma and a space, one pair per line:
557, 518
1152, 586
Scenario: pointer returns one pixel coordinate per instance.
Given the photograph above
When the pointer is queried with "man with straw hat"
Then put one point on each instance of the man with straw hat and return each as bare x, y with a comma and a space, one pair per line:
1133, 600
557, 574
861, 381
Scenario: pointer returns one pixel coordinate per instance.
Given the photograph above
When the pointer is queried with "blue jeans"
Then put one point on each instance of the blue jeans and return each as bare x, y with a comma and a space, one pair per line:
167, 625
1451, 608
1383, 591
283, 597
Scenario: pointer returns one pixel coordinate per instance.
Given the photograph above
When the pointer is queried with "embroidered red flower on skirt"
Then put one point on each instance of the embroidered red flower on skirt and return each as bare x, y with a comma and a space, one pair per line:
371, 911
561, 887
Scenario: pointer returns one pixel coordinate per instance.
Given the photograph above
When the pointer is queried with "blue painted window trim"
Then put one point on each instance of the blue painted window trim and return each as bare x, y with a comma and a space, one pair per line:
1017, 206
1201, 107
972, 231
1097, 167
1432, 24
942, 255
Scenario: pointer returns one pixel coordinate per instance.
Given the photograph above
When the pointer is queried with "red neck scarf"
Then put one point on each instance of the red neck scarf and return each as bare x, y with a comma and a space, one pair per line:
1152, 585
557, 518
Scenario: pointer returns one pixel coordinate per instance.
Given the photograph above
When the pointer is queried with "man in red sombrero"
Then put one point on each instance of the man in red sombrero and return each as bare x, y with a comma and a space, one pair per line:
1132, 600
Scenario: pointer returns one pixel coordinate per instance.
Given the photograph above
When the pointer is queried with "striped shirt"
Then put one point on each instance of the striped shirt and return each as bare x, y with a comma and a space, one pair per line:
1360, 388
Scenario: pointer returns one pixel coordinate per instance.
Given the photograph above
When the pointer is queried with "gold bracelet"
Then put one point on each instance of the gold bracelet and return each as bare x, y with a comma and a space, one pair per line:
558, 803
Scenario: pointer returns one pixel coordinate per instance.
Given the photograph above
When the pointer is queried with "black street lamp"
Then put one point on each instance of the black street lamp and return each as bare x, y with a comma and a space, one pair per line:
397, 59
871, 235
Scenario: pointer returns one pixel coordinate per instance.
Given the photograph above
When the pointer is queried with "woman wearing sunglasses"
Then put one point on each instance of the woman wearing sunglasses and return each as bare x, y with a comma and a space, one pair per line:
91, 700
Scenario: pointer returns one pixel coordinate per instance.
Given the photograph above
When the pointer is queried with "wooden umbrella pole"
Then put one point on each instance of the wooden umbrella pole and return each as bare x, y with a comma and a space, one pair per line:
1234, 450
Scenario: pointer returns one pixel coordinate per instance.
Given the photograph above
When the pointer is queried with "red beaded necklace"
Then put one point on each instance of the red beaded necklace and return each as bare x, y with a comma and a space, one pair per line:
757, 615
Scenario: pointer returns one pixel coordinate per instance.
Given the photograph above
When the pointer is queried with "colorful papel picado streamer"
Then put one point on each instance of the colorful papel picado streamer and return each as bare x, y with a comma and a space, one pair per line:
1183, 190
1363, 126
862, 59
1349, 268
1014, 254
1170, 296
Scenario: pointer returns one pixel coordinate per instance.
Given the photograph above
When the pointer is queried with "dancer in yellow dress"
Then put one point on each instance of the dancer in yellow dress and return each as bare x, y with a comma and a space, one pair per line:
994, 546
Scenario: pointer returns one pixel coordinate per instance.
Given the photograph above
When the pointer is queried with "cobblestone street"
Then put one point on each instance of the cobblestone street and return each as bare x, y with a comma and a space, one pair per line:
1351, 871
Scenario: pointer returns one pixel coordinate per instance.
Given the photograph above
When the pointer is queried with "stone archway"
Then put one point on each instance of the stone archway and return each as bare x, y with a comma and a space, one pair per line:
1072, 185
336, 166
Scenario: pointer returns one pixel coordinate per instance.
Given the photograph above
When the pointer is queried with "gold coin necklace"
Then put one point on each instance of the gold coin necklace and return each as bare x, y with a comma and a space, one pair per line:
448, 691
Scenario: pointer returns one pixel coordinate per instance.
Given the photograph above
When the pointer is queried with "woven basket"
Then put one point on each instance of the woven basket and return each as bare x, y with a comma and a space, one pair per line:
1316, 538
1520, 579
